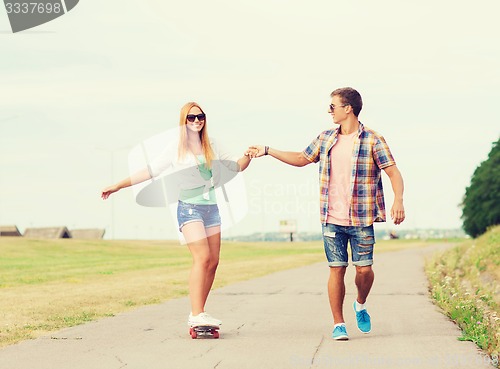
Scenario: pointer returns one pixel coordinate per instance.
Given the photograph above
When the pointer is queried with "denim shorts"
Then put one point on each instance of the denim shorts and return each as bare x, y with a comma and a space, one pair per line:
207, 214
335, 239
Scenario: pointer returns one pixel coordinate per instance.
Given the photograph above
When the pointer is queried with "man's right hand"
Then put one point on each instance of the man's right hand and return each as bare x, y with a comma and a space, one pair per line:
257, 151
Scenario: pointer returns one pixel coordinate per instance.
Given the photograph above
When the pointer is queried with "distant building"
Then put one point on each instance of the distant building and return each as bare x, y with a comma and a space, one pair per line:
9, 231
90, 234
288, 226
48, 232
393, 235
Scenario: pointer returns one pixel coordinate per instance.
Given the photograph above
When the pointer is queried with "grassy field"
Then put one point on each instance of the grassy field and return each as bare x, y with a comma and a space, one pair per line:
46, 285
465, 283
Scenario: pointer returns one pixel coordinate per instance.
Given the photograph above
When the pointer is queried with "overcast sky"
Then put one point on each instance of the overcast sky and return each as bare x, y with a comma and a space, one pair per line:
78, 93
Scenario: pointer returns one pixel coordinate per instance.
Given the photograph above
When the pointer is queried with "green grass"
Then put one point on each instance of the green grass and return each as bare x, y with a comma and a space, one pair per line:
47, 285
465, 283
26, 261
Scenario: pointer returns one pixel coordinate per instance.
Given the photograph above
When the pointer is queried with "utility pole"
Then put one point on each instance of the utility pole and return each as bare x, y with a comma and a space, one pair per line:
111, 152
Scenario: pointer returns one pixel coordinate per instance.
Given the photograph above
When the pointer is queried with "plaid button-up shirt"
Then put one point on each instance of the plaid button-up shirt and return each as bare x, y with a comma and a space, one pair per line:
370, 155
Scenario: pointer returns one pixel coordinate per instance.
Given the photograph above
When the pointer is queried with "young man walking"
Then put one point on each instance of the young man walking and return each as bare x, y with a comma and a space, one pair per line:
351, 158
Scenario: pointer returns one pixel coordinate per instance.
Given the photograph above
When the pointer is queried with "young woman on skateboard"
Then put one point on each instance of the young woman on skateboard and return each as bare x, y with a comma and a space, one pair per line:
196, 158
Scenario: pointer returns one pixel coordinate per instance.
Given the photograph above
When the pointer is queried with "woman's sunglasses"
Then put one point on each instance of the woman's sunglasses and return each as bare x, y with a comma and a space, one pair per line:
192, 117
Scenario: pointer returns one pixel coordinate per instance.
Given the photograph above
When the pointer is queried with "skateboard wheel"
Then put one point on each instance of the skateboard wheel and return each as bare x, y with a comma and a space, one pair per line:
216, 334
192, 332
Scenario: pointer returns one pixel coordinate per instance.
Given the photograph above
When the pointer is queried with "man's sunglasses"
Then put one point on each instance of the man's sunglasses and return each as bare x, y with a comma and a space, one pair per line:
332, 107
192, 117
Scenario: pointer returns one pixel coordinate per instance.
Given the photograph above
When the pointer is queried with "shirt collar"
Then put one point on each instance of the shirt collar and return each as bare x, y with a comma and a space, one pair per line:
361, 128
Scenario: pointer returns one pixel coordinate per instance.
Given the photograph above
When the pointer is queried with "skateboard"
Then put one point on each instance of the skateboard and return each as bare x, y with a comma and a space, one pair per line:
204, 331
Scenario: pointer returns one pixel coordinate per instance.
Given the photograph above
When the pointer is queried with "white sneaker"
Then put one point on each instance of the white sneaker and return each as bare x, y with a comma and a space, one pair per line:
219, 322
203, 319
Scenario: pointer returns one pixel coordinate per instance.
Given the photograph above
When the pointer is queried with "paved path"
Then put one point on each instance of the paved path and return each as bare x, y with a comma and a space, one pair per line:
278, 321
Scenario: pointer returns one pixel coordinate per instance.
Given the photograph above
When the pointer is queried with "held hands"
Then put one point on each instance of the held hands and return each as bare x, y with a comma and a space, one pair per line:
252, 152
255, 151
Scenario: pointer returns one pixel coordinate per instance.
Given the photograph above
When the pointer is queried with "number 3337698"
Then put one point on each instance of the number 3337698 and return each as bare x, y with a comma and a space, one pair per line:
32, 8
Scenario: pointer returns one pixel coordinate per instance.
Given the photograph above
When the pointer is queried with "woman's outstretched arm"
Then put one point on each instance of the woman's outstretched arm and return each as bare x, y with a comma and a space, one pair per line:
141, 176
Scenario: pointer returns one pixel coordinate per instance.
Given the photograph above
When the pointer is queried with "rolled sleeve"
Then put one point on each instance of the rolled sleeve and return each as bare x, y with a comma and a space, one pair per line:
312, 152
382, 154
162, 162
224, 156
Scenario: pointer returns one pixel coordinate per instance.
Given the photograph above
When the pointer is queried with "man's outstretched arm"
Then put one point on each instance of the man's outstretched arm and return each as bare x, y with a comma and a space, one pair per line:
296, 159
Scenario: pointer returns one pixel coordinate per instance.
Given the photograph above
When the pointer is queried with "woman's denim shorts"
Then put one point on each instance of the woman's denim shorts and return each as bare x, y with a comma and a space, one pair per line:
207, 214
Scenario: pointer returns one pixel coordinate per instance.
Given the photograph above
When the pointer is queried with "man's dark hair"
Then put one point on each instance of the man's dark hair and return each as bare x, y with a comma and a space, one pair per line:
349, 96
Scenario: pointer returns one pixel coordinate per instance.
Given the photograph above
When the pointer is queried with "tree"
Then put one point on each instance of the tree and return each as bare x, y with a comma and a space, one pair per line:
481, 204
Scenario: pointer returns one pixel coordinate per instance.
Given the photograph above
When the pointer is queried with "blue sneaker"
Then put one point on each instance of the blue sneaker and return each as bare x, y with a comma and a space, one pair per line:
339, 333
363, 320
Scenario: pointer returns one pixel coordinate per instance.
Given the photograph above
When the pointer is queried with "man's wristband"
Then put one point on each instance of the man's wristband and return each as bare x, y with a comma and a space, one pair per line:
266, 150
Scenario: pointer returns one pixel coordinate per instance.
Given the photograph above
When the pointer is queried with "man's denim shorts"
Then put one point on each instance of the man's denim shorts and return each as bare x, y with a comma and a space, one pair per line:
207, 214
335, 239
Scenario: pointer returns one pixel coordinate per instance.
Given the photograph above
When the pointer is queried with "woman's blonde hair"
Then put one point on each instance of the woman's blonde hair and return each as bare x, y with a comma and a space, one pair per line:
205, 141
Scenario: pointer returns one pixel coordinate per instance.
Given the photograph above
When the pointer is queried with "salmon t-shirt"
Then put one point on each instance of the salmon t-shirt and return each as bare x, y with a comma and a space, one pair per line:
339, 196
